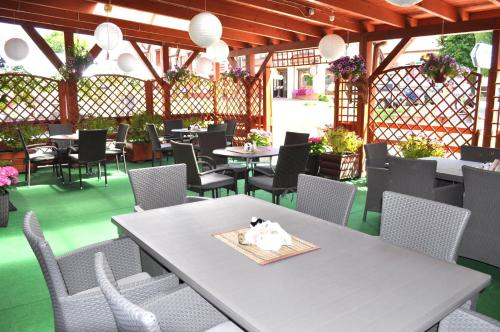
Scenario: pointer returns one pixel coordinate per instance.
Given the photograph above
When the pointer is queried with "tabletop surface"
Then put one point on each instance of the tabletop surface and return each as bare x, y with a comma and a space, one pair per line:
354, 282
234, 151
451, 169
187, 130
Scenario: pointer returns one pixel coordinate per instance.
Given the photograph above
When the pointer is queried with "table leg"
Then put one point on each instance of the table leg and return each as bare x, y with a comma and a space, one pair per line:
12, 208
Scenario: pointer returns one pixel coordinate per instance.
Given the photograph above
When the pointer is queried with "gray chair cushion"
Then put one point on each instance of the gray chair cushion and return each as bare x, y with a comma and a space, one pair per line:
46, 156
166, 146
262, 181
215, 180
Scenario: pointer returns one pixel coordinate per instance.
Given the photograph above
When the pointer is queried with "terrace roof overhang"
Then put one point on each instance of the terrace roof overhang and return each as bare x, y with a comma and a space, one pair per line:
261, 26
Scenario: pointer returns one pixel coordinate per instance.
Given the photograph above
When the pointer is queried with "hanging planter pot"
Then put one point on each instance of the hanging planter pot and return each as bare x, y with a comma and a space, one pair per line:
4, 210
347, 76
440, 78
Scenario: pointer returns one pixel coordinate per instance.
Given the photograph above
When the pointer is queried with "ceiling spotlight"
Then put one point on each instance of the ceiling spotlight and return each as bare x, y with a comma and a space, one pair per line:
310, 11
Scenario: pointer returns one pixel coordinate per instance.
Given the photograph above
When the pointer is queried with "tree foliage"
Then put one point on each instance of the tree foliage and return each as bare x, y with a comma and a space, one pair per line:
55, 39
460, 46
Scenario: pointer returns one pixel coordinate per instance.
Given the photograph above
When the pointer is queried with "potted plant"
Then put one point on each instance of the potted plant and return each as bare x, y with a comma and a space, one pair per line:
342, 160
11, 149
353, 70
420, 146
259, 137
237, 74
97, 123
138, 146
438, 68
8, 176
177, 74
304, 94
318, 147
78, 59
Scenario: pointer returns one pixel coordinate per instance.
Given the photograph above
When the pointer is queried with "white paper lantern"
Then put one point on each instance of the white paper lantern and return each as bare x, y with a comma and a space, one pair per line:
108, 36
205, 29
331, 47
218, 51
203, 66
403, 3
126, 62
16, 49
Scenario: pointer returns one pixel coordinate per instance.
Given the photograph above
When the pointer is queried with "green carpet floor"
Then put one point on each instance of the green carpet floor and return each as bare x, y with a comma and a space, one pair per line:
72, 218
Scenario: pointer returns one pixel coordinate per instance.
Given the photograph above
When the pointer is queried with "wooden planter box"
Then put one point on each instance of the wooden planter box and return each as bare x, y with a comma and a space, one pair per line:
339, 167
16, 159
138, 151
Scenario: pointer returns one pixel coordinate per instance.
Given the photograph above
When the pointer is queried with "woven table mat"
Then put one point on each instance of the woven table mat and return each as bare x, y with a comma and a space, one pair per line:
264, 257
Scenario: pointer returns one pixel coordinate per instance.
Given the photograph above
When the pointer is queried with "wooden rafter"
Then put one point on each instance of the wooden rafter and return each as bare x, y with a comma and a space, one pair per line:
230, 16
42, 45
146, 62
361, 8
391, 57
190, 59
95, 51
440, 9
263, 66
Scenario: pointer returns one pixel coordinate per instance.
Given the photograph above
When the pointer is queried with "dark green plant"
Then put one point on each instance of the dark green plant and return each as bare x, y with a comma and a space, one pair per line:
78, 58
138, 132
97, 123
342, 141
32, 134
308, 79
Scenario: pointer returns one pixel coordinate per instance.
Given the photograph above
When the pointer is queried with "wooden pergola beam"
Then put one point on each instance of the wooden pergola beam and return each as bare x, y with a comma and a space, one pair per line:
232, 17
95, 51
42, 45
297, 13
440, 9
263, 66
9, 16
146, 62
391, 57
362, 8
472, 25
190, 60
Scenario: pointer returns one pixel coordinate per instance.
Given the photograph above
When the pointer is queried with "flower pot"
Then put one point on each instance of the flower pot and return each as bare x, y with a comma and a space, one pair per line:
4, 210
346, 76
235, 79
339, 167
138, 151
440, 78
312, 164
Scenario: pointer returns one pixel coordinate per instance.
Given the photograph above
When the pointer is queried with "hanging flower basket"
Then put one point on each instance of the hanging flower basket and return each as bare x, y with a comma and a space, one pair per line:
346, 76
177, 74
237, 74
348, 68
440, 68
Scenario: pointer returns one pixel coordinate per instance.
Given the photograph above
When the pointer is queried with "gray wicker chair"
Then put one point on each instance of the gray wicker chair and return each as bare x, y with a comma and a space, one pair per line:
326, 199
200, 182
156, 145
37, 154
217, 127
417, 177
160, 186
463, 320
377, 181
292, 160
180, 309
482, 196
376, 155
116, 147
173, 124
429, 227
479, 154
77, 301
210, 141
230, 131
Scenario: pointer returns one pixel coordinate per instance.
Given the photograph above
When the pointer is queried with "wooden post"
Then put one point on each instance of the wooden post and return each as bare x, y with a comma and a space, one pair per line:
63, 113
165, 87
491, 91
72, 82
148, 85
268, 99
336, 103
250, 64
165, 58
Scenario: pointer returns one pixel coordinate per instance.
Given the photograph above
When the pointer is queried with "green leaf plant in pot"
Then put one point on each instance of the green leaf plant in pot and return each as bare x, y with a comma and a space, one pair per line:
139, 145
420, 146
318, 147
342, 162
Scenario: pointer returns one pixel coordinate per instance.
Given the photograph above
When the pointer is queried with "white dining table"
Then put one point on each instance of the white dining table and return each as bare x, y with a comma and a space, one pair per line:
451, 169
354, 282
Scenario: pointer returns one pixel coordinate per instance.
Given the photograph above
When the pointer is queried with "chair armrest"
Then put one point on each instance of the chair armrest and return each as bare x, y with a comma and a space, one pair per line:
41, 147
207, 159
450, 194
77, 267
194, 199
142, 290
137, 208
217, 170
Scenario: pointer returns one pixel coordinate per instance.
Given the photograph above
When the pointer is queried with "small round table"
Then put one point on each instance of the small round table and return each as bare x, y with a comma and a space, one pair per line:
70, 137
189, 131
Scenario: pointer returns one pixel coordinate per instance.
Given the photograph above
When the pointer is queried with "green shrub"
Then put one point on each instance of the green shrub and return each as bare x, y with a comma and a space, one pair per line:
138, 132
342, 141
418, 146
32, 134
97, 123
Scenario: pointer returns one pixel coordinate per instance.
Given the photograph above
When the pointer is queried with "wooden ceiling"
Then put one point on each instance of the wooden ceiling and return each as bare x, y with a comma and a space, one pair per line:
257, 24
